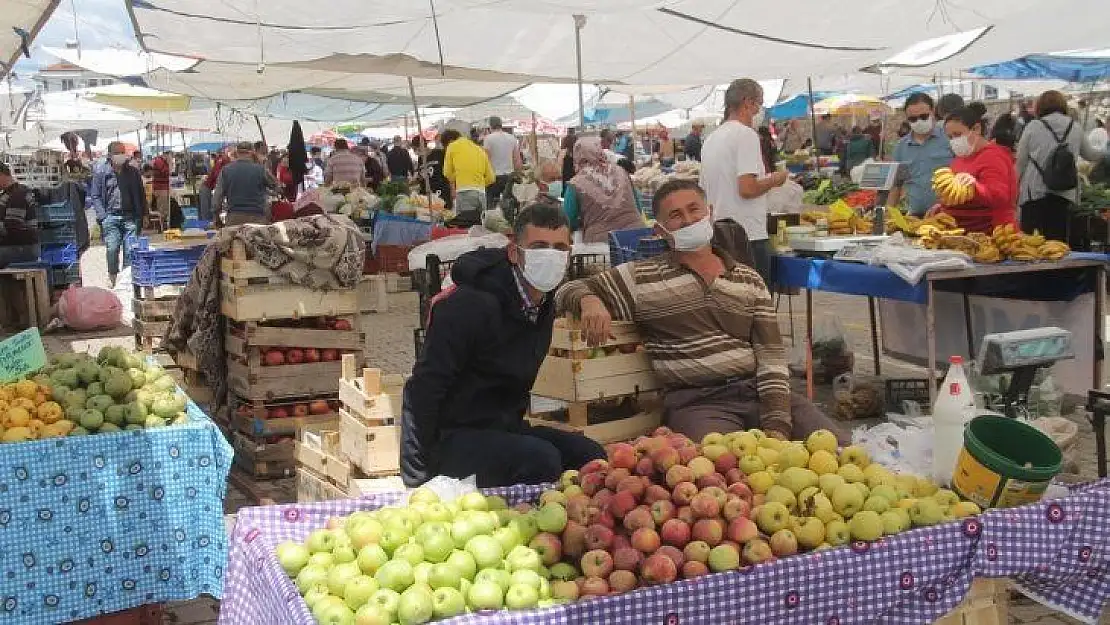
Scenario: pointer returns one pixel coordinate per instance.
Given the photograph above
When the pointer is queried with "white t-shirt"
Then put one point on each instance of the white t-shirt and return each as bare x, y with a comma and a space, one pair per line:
731, 151
501, 146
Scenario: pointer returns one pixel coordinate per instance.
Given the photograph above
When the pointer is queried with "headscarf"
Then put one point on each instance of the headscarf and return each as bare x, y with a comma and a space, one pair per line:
597, 179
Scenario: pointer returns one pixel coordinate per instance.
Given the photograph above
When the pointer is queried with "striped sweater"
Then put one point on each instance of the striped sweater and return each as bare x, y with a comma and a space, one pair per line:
697, 335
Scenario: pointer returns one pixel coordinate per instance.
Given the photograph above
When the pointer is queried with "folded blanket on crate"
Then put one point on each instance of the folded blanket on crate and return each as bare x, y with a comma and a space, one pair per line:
321, 252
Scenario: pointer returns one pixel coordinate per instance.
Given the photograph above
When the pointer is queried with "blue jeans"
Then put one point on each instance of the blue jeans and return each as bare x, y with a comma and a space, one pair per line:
117, 231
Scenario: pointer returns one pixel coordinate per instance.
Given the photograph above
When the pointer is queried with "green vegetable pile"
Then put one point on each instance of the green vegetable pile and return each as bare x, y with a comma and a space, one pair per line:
390, 191
828, 192
1093, 199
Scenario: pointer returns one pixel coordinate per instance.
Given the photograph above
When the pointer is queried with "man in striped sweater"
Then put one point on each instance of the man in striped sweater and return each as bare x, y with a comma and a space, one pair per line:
707, 323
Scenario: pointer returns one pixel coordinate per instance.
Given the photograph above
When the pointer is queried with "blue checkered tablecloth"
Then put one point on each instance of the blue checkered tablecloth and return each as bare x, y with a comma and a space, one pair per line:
99, 524
1056, 550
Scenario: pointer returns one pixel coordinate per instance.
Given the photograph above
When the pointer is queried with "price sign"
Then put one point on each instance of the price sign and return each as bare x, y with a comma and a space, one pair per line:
21, 354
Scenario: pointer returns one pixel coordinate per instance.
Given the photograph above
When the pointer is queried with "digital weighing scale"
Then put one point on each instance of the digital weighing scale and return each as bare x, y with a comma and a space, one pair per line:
878, 177
1021, 353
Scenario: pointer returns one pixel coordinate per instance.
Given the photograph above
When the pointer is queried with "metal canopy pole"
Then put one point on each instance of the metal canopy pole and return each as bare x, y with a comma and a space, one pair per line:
423, 146
813, 127
579, 23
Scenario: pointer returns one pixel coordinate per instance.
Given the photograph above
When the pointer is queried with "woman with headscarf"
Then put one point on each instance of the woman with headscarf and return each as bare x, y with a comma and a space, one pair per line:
599, 197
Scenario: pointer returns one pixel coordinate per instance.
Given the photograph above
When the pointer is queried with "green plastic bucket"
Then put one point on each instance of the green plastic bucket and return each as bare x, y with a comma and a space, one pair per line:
1004, 462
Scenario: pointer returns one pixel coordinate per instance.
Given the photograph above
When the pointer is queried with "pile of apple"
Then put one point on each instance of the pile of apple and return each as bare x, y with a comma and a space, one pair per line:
297, 409
277, 356
431, 560
663, 507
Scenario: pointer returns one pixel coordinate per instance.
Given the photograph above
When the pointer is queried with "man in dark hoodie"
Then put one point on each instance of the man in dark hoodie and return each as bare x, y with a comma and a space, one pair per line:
487, 335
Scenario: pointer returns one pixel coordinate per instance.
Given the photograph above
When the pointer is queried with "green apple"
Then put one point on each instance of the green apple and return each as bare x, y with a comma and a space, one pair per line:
431, 528
388, 601
866, 525
523, 558
496, 502
473, 501
526, 576
463, 563
421, 572
486, 551
462, 530
563, 571
371, 558
359, 590
315, 594
437, 512
724, 558
847, 500
412, 552
417, 606
926, 511
552, 517
393, 537
396, 575
501, 577
423, 495
292, 556
344, 553
525, 525
324, 558
508, 537
332, 611
521, 597
448, 602
895, 520
875, 503
339, 575
437, 546
373, 614
363, 532
443, 575
320, 541
485, 596
311, 576
837, 533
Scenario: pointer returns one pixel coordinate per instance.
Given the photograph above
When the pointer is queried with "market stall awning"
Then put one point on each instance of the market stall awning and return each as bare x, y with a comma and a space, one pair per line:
135, 98
849, 104
625, 41
1087, 66
20, 23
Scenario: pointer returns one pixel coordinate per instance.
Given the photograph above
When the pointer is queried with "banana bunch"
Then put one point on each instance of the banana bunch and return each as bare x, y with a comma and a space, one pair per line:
953, 189
842, 226
860, 225
1053, 250
1006, 238
1018, 246
987, 253
811, 217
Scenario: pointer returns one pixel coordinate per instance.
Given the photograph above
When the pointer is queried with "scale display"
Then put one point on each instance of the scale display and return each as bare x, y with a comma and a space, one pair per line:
1038, 347
879, 176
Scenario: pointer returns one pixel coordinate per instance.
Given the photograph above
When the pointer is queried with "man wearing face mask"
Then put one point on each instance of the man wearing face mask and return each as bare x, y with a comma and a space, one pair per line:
923, 151
119, 199
734, 173
707, 323
486, 337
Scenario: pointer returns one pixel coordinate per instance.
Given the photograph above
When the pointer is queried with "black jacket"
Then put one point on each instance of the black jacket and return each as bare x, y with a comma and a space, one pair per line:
399, 161
481, 354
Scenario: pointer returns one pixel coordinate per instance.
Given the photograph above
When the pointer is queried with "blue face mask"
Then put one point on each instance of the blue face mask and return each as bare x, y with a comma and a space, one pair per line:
555, 189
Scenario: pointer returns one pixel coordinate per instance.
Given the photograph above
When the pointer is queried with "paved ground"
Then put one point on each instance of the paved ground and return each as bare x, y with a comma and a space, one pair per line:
390, 346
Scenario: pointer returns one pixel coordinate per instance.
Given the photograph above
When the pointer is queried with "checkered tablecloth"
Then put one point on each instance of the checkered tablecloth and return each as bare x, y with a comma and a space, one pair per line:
1056, 550
99, 524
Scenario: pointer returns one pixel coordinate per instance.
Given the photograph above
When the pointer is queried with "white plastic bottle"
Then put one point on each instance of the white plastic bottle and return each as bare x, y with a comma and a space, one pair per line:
953, 408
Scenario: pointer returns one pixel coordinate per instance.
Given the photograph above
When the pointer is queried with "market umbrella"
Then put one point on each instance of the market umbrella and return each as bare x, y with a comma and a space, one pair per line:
324, 138
850, 104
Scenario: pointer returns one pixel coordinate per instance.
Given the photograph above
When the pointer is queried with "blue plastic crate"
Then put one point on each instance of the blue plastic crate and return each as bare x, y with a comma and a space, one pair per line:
60, 211
58, 253
634, 244
58, 233
164, 266
64, 275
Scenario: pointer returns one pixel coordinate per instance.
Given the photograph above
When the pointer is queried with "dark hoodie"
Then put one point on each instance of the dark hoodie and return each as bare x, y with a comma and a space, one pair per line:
481, 355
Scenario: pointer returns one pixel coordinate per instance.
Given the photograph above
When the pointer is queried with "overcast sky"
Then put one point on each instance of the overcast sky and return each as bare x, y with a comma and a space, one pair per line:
99, 24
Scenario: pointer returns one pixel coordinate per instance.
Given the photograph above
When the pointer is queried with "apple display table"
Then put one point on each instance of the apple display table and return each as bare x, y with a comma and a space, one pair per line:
98, 524
1050, 549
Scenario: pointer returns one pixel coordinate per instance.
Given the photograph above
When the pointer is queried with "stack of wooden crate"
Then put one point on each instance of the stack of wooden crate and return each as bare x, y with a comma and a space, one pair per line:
352, 458
284, 344
609, 390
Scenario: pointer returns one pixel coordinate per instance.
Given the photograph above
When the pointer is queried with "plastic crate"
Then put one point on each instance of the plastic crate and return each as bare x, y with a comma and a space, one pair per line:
164, 266
393, 258
58, 232
196, 224
634, 244
58, 253
59, 211
64, 275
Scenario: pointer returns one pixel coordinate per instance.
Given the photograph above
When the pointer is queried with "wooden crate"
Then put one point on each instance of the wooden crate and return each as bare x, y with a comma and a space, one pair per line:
370, 431
24, 298
373, 295
986, 603
251, 416
151, 321
312, 487
143, 615
253, 333
318, 450
264, 460
645, 417
619, 367
253, 292
249, 378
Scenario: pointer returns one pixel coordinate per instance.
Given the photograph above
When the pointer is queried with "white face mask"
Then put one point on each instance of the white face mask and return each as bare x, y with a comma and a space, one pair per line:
922, 126
119, 159
555, 189
545, 269
692, 237
961, 146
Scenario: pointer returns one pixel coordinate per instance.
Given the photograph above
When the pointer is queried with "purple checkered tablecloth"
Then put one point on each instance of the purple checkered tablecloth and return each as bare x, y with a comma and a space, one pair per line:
1055, 550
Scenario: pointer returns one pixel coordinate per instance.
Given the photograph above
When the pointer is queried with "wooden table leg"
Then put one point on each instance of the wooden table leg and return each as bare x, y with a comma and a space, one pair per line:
874, 335
1100, 327
42, 295
809, 344
29, 298
931, 341
967, 327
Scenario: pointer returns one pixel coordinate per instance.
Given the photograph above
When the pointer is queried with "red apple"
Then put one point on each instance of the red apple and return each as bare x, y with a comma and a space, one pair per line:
697, 551
679, 473
640, 517
644, 467
622, 503
574, 539
311, 354
622, 581
684, 513
688, 453
705, 506
594, 465
710, 531
294, 356
662, 511
627, 558
717, 493
329, 355
614, 477
674, 553
341, 324
622, 456
662, 431
676, 532
601, 499
597, 563
784, 543
684, 493
598, 537
646, 540
735, 507
713, 479
757, 551
658, 569
633, 484
592, 482
604, 518
725, 462
548, 546
594, 587
664, 458
735, 476
678, 441
742, 529
656, 493
693, 568
578, 507
741, 490
273, 357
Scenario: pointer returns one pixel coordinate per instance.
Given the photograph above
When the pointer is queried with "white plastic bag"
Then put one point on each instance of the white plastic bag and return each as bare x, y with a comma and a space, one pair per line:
905, 449
447, 488
526, 192
785, 199
89, 308
125, 293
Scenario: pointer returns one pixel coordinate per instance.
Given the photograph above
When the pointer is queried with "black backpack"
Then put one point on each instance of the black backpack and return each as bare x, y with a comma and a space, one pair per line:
1059, 172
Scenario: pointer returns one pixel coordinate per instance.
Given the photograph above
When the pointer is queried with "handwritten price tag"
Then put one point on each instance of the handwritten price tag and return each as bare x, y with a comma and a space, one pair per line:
21, 354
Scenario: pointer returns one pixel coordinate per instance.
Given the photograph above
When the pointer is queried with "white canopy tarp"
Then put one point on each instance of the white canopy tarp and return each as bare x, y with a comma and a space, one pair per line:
638, 42
20, 22
120, 62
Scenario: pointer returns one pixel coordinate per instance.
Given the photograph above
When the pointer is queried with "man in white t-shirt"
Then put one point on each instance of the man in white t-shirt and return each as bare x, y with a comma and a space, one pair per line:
733, 174
504, 155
